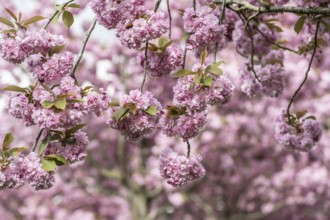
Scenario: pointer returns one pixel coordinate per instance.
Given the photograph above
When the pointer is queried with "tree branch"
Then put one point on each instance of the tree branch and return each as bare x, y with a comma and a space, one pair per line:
82, 49
276, 9
54, 15
306, 74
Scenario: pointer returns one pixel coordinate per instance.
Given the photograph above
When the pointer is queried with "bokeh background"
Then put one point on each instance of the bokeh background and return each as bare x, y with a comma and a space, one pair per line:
249, 176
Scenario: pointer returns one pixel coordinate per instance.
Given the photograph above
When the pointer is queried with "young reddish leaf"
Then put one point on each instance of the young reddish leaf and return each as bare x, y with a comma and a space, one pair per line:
33, 20
14, 88
12, 14
7, 22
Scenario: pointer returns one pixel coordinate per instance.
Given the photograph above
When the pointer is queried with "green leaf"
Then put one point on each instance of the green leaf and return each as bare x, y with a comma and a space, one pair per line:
9, 138
14, 88
7, 22
198, 79
16, 150
214, 70
112, 174
56, 17
60, 104
207, 81
120, 113
67, 18
44, 144
152, 110
48, 165
184, 72
59, 160
56, 49
203, 56
74, 129
299, 24
47, 104
8, 31
12, 14
20, 25
131, 106
163, 41
73, 5
311, 117
301, 114
33, 20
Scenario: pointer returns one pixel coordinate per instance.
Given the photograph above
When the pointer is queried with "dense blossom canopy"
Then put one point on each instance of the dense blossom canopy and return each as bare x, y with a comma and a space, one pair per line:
165, 110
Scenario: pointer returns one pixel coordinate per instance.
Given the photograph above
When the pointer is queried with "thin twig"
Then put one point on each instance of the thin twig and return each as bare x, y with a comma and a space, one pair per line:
145, 66
82, 49
222, 16
157, 5
249, 31
169, 18
276, 44
55, 13
194, 4
306, 74
276, 9
184, 56
188, 149
37, 140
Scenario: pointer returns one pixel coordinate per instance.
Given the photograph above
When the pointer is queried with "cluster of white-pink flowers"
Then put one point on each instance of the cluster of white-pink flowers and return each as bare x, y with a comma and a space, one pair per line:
25, 168
178, 169
300, 133
16, 47
137, 114
134, 23
204, 28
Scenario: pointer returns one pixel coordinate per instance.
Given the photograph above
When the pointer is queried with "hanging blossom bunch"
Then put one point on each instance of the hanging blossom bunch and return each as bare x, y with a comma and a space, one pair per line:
162, 59
17, 168
300, 133
16, 46
136, 115
270, 73
203, 85
134, 23
179, 170
61, 106
204, 28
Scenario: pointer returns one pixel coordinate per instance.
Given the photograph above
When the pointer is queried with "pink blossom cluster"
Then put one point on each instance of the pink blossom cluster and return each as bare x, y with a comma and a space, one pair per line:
270, 73
74, 150
52, 68
111, 12
25, 168
133, 22
179, 170
150, 26
135, 120
197, 97
186, 125
203, 28
161, 63
34, 112
298, 135
15, 48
